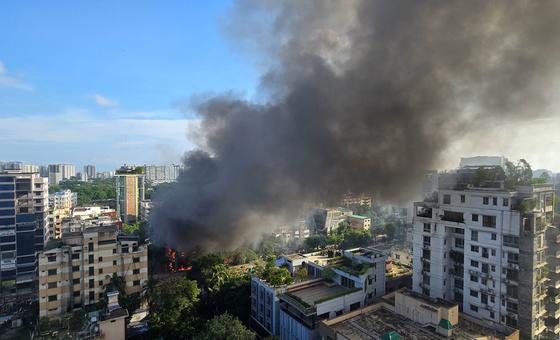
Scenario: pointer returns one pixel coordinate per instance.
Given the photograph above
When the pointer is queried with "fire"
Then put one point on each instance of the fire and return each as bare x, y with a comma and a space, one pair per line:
172, 261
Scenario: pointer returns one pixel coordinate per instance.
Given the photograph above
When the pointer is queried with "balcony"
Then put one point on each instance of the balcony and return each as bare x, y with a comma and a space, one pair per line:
424, 210
556, 329
452, 216
557, 299
557, 314
539, 313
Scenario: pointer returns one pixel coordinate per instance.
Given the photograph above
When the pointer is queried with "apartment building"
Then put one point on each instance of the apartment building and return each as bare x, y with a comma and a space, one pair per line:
324, 220
23, 220
157, 174
73, 271
59, 172
90, 173
359, 222
351, 199
483, 247
355, 280
130, 192
64, 199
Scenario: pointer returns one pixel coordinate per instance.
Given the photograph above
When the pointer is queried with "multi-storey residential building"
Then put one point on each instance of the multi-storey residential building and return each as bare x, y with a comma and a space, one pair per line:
359, 222
483, 246
59, 172
162, 173
23, 220
130, 192
354, 280
351, 199
89, 171
74, 271
65, 199
327, 219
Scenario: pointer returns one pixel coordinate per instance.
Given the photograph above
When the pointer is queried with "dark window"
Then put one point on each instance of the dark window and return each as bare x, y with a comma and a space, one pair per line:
51, 258
100, 270
114, 262
51, 285
91, 271
90, 258
76, 281
485, 200
91, 296
136, 283
136, 271
91, 283
495, 200
75, 268
474, 235
52, 297
493, 236
474, 308
474, 293
475, 217
474, 249
90, 246
462, 198
100, 259
354, 306
474, 278
51, 272
474, 263
506, 202
427, 227
75, 256
136, 260
489, 221
76, 293
446, 199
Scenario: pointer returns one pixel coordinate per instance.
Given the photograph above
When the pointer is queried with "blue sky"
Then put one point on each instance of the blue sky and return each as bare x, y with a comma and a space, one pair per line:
95, 82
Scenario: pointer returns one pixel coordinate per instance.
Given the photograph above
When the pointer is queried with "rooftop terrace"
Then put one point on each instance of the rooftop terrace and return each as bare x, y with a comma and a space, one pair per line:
310, 293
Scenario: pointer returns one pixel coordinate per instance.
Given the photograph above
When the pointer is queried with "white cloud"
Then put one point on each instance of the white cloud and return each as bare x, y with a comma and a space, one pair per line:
104, 101
7, 80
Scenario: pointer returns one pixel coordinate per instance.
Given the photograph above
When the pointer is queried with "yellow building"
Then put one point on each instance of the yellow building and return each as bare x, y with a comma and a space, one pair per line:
73, 271
130, 192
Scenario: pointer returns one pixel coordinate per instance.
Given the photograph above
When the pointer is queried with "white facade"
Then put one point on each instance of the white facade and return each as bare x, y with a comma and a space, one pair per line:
162, 173
65, 199
466, 248
59, 172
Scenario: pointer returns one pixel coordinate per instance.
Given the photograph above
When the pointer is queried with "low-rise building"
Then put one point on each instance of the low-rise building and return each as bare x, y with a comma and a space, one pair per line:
409, 315
73, 271
359, 222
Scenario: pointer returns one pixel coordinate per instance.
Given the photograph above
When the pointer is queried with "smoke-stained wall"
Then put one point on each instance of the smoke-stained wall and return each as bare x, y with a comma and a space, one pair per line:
355, 95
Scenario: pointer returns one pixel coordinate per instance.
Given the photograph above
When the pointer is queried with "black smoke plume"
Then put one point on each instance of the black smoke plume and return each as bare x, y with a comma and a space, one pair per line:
355, 96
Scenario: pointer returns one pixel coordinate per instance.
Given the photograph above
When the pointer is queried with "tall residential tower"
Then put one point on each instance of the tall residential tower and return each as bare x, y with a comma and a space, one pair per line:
130, 192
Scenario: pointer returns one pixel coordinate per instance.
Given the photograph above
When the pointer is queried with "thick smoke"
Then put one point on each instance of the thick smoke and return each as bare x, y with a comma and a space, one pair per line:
355, 96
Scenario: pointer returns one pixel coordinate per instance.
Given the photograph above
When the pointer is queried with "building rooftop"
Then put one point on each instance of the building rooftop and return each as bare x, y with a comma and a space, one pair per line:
431, 301
310, 293
359, 216
375, 321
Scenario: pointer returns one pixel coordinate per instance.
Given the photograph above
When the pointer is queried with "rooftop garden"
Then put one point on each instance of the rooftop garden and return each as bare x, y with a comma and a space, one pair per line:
356, 269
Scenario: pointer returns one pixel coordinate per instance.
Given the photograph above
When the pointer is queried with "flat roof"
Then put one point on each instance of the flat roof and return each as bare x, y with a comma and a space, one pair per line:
431, 301
359, 216
318, 291
374, 323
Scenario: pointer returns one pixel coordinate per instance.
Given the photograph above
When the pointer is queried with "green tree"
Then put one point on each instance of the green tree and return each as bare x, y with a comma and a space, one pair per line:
225, 326
315, 242
216, 276
302, 274
276, 276
173, 309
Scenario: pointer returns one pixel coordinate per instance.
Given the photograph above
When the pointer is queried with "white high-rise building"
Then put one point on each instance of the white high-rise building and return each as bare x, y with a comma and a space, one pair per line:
162, 173
484, 248
59, 172
89, 171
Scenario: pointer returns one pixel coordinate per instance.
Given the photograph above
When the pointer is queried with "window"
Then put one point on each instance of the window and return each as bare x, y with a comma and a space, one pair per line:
52, 298
474, 263
493, 252
100, 258
91, 283
492, 299
474, 278
505, 202
136, 271
462, 198
474, 235
495, 200
136, 260
114, 262
51, 258
75, 256
474, 293
136, 283
491, 312
76, 293
75, 268
52, 285
354, 306
100, 283
474, 249
100, 270
91, 271
426, 240
51, 272
91, 296
475, 217
114, 251
427, 227
489, 221
90, 258
485, 200
493, 236
474, 308
90, 246
76, 281
446, 199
